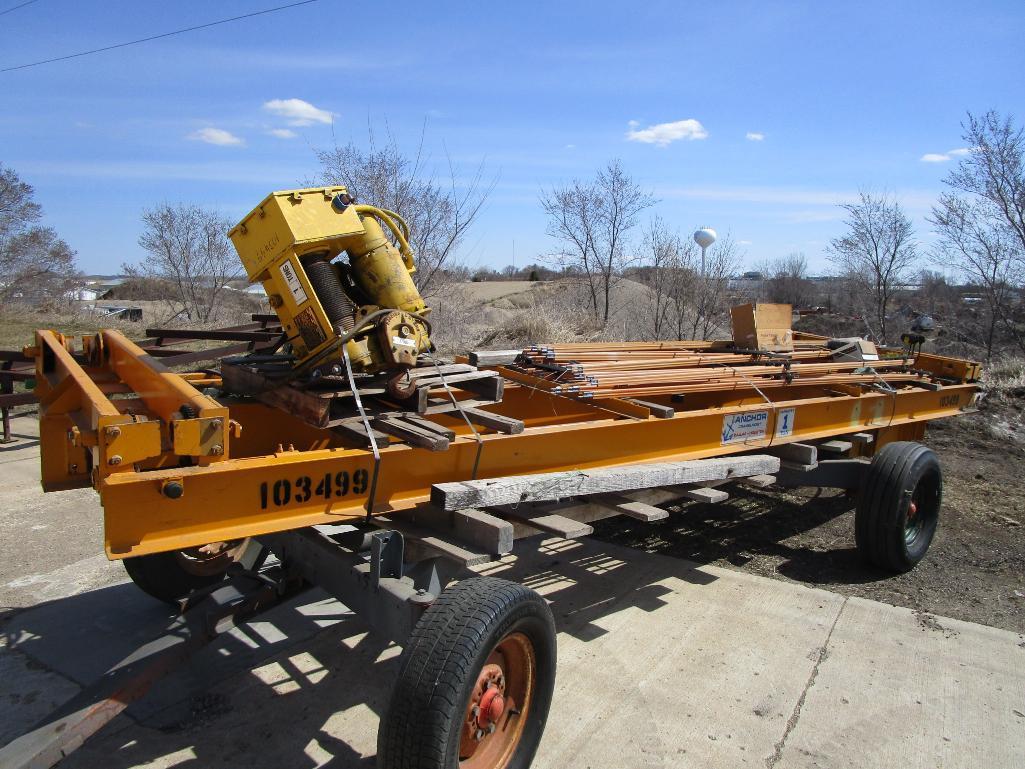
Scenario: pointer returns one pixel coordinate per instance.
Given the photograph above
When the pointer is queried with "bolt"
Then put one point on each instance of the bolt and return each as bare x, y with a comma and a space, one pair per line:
173, 489
113, 432
217, 424
491, 728
217, 449
479, 734
114, 460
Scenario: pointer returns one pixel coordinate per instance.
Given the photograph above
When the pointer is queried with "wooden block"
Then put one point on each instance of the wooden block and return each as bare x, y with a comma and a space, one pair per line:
631, 507
801, 453
656, 409
483, 530
798, 467
552, 523
863, 439
430, 426
354, 430
758, 481
493, 357
496, 422
492, 492
433, 542
836, 446
411, 434
702, 494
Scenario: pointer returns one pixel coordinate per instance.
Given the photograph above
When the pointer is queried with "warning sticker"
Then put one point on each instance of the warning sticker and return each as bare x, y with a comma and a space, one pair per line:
311, 332
398, 340
785, 423
738, 428
292, 281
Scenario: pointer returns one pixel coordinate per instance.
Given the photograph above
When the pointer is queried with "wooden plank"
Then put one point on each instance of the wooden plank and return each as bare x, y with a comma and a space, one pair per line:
411, 434
657, 409
493, 357
836, 446
631, 508
801, 453
552, 486
483, 530
705, 494
552, 523
863, 439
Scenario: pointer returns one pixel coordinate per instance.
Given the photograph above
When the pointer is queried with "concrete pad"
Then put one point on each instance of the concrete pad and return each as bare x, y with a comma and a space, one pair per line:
902, 688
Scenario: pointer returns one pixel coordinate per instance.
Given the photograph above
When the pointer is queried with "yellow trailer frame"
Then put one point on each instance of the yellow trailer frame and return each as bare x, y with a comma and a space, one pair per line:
157, 449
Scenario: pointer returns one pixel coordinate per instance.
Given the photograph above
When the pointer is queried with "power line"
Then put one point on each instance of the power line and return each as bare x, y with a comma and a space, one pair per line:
154, 37
16, 7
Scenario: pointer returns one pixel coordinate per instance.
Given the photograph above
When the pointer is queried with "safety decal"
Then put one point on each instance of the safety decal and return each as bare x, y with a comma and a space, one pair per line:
292, 281
739, 428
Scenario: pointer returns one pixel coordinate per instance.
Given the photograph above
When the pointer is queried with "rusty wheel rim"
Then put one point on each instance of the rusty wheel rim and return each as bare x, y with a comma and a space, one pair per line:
208, 560
496, 714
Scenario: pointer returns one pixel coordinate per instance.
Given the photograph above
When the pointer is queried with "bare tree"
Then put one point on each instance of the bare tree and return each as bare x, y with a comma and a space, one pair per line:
593, 220
876, 255
712, 289
35, 264
439, 213
981, 220
786, 280
662, 251
188, 247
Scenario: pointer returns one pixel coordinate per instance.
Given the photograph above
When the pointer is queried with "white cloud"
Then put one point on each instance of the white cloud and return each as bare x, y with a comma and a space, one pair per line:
943, 157
216, 136
662, 134
571, 146
283, 133
754, 136
298, 112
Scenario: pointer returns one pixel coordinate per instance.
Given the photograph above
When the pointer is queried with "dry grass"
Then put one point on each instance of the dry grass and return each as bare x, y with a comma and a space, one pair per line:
1004, 374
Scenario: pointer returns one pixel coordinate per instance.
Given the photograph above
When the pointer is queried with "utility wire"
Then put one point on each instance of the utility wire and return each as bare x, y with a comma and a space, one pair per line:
153, 37
16, 7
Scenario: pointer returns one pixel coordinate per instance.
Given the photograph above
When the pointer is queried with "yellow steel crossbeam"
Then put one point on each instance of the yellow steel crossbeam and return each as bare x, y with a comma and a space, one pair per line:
290, 489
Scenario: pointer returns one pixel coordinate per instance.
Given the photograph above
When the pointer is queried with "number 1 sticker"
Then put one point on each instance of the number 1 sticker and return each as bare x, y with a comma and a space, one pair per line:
785, 423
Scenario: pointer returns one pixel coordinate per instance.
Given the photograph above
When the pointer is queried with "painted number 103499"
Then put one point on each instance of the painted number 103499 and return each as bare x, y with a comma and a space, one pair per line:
285, 491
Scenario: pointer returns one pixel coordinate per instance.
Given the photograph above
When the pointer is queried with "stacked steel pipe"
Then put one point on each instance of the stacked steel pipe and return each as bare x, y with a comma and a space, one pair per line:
638, 369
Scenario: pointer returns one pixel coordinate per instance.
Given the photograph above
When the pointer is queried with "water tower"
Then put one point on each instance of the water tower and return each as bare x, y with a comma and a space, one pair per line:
704, 237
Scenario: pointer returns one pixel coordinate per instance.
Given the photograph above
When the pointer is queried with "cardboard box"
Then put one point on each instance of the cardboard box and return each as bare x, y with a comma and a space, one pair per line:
763, 327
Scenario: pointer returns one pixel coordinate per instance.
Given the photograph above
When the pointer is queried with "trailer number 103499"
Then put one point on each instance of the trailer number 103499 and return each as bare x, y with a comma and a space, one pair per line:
285, 491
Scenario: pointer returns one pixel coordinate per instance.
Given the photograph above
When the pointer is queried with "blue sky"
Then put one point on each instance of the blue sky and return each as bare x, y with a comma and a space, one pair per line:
843, 95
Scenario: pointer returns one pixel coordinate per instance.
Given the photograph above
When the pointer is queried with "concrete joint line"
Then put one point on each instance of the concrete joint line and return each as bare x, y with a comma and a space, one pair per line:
777, 753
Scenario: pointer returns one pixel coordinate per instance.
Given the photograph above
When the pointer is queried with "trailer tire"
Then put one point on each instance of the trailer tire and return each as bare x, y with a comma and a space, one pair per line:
899, 506
486, 643
164, 577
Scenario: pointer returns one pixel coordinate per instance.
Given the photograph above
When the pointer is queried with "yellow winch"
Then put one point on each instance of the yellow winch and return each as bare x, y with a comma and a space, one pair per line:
366, 305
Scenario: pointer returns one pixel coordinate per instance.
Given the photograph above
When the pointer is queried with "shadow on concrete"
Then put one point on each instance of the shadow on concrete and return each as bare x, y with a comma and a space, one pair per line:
301, 663
753, 523
20, 443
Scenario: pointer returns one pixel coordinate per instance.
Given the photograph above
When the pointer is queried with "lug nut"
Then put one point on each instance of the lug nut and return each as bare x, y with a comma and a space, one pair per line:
217, 449
113, 432
114, 460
